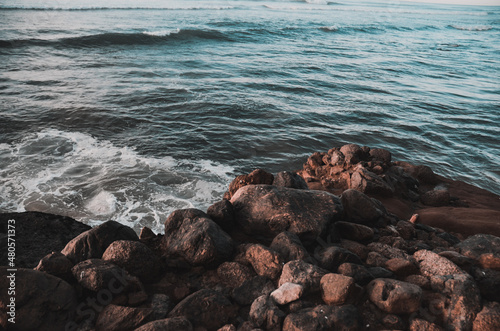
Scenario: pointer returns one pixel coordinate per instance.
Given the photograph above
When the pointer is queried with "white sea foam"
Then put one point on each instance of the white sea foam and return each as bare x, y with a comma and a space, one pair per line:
473, 27
162, 33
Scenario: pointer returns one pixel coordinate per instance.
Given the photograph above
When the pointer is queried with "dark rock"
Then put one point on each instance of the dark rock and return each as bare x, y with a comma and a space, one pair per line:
264, 313
222, 213
92, 243
360, 274
406, 230
353, 231
290, 180
192, 235
338, 289
388, 251
324, 318
256, 177
436, 198
38, 234
228, 327
42, 301
252, 289
205, 308
332, 257
490, 261
381, 155
488, 318
488, 282
484, 248
423, 174
379, 272
265, 261
146, 233
375, 259
56, 264
419, 280
161, 304
463, 262
170, 324
394, 296
359, 249
402, 267
368, 182
360, 208
393, 322
268, 210
234, 274
136, 258
289, 246
305, 274
287, 293
432, 264
119, 318
352, 153
451, 239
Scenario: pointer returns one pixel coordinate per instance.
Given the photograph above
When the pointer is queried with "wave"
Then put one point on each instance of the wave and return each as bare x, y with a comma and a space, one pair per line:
95, 8
472, 28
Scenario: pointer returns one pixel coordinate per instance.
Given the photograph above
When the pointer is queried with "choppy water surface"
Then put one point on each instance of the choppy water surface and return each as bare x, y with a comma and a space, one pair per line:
130, 110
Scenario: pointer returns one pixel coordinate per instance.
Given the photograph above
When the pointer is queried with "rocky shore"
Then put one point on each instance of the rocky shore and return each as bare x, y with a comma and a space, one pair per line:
353, 241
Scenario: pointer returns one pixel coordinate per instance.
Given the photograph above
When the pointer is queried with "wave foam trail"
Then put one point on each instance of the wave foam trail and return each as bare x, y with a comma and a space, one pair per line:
74, 174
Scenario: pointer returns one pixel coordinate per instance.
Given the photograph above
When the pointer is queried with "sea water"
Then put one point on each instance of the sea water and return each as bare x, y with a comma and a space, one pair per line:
128, 110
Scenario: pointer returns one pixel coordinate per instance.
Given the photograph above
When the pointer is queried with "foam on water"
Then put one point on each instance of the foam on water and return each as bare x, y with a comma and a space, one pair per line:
74, 174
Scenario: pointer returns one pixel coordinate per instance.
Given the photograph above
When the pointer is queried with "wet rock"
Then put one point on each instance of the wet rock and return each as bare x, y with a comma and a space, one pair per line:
265, 261
360, 274
38, 234
119, 318
360, 208
192, 235
488, 318
287, 293
418, 324
174, 324
92, 243
381, 155
268, 210
222, 213
305, 274
368, 182
256, 177
42, 301
205, 308
332, 257
136, 258
338, 289
432, 264
234, 274
353, 231
56, 264
290, 180
436, 198
401, 267
252, 289
394, 296
289, 246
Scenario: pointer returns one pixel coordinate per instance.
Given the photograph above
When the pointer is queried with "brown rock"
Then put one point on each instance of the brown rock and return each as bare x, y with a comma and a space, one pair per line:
352, 153
381, 155
360, 208
287, 293
258, 176
353, 231
418, 324
358, 249
305, 274
394, 296
268, 210
136, 258
375, 259
332, 257
463, 262
360, 274
489, 261
192, 235
170, 324
368, 182
338, 289
488, 281
42, 301
92, 243
146, 233
401, 267
252, 289
419, 280
393, 322
205, 308
431, 264
57, 265
234, 274
265, 261
289, 246
480, 244
324, 318
222, 213
121, 318
406, 230
290, 180
264, 313
488, 319
388, 251
436, 198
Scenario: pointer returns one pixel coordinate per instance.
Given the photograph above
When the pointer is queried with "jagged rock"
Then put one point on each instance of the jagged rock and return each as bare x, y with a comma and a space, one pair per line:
305, 274
234, 274
192, 235
289, 246
136, 258
256, 177
290, 180
265, 261
332, 257
360, 208
353, 231
222, 213
268, 210
287, 293
368, 182
436, 198
360, 274
38, 234
338, 289
174, 324
42, 301
56, 264
205, 308
119, 318
252, 289
432, 264
91, 244
394, 296
488, 319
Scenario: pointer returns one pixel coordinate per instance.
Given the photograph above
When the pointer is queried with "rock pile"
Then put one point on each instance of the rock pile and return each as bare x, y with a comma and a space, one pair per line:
273, 255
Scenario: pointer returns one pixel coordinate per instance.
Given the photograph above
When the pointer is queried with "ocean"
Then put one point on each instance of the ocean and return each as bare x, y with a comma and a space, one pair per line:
128, 110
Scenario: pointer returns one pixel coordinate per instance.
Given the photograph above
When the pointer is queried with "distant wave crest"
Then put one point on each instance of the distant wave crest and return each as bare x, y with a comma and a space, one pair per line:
472, 28
4, 7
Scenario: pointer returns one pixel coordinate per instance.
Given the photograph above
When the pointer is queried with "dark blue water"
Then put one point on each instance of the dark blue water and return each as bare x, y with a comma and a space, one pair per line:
115, 110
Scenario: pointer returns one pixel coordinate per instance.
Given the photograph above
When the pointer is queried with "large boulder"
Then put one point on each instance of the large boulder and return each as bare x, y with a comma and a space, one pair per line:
37, 234
268, 210
258, 176
91, 244
42, 301
193, 236
56, 264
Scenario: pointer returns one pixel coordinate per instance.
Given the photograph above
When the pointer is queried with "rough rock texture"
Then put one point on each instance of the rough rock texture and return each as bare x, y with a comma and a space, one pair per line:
393, 296
234, 274
323, 318
290, 180
119, 318
287, 293
264, 313
332, 257
480, 244
192, 235
265, 261
268, 210
175, 323
368, 182
305, 274
360, 208
352, 231
222, 213
289, 246
339, 289
432, 264
488, 318
256, 177
252, 289
37, 234
56, 264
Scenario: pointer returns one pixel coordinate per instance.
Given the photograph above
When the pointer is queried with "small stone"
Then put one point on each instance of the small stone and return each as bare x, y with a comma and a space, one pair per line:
287, 293
265, 261
401, 267
339, 289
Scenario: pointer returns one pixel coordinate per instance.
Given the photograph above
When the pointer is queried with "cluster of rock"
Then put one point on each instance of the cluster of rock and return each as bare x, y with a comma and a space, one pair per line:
272, 255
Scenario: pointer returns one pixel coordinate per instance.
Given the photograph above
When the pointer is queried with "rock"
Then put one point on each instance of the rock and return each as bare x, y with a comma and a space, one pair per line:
406, 230
146, 233
161, 304
360, 208
482, 244
388, 251
358, 249
136, 258
323, 317
38, 234
393, 322
222, 213
360, 274
368, 182
353, 231
375, 259
381, 155
234, 274
423, 174
418, 324
174, 324
252, 289
56, 264
287, 293
256, 177
289, 246
489, 283
268, 210
379, 272
192, 235
488, 319
121, 318
338, 289
394, 296
264, 313
489, 261
419, 280
92, 243
432, 264
305, 274
42, 301
332, 257
290, 180
352, 153
337, 158
227, 327
265, 261
205, 308
401, 267
436, 198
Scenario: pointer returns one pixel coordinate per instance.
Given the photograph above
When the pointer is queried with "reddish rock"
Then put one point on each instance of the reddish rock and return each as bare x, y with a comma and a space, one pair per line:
324, 318
360, 208
287, 293
268, 210
192, 235
394, 296
227, 327
419, 280
338, 289
119, 318
92, 243
56, 264
393, 322
375, 259
305, 274
352, 153
234, 274
258, 176
289, 246
406, 230
42, 301
401, 267
488, 318
418, 324
381, 155
432, 264
265, 261
463, 262
290, 180
436, 198
368, 182
173, 324
489, 261
252, 289
358, 249
388, 251
205, 308
353, 231
360, 274
222, 213
136, 258
332, 257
